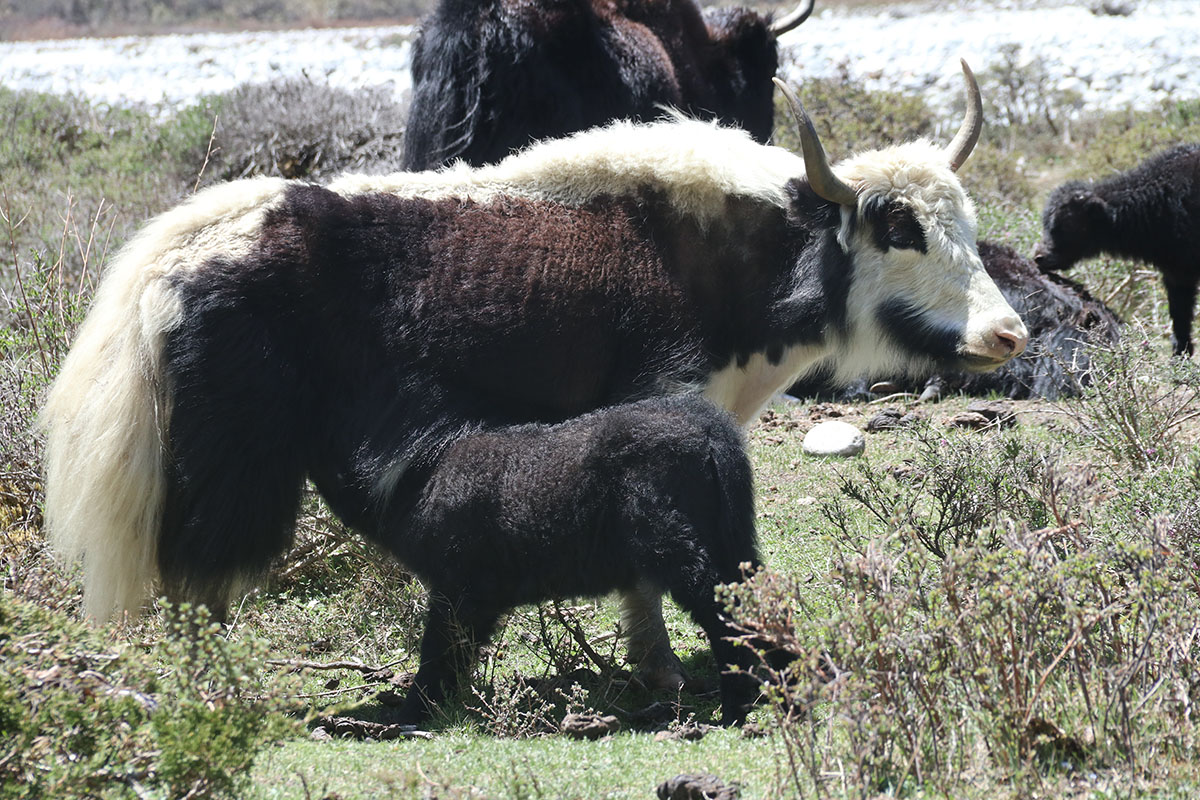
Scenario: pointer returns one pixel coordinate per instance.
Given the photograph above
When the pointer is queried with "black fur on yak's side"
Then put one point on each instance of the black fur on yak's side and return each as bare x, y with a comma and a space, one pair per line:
657, 491
491, 76
353, 351
1150, 213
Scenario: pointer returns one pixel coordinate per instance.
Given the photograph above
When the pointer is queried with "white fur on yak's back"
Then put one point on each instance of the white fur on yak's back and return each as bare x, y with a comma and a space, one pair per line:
696, 166
106, 413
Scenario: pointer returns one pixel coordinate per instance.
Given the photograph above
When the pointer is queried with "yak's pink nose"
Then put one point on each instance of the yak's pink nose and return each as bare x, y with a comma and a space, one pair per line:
1011, 341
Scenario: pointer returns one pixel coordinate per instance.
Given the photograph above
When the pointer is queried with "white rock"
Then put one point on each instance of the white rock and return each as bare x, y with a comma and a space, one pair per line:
834, 438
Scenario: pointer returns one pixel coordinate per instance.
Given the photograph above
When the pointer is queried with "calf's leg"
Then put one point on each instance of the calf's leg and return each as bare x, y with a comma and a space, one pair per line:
454, 630
649, 646
1181, 304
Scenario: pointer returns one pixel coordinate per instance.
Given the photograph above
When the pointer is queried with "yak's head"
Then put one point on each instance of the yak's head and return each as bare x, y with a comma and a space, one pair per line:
919, 297
742, 58
1073, 217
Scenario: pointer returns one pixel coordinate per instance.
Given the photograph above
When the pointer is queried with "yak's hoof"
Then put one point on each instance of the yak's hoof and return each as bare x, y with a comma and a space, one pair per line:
661, 670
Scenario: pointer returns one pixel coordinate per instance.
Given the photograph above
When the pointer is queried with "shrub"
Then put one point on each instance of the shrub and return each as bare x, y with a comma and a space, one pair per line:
1137, 400
296, 128
955, 491
850, 119
1122, 139
1009, 660
81, 717
214, 716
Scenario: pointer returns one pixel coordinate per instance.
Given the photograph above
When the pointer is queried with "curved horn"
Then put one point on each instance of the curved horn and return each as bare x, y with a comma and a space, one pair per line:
781, 26
972, 124
816, 163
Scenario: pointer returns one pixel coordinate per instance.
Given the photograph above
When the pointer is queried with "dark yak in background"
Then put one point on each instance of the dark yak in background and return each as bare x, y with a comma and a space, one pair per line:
1150, 213
491, 76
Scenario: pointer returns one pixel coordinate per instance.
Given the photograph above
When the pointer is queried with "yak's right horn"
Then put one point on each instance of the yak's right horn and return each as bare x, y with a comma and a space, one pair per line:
781, 26
816, 163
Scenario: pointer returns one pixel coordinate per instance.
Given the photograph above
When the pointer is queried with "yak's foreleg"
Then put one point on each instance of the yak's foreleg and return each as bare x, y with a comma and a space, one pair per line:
453, 633
649, 646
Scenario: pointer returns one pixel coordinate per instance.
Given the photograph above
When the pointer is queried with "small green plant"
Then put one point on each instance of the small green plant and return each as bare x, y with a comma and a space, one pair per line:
214, 716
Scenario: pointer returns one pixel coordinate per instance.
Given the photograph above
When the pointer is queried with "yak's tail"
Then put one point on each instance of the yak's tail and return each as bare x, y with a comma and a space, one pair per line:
107, 413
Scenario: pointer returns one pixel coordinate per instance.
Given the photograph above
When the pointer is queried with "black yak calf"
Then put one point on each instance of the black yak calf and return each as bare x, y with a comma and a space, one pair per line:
654, 491
1150, 213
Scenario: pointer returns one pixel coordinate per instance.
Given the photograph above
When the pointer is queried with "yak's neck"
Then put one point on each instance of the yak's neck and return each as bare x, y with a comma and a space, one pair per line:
745, 389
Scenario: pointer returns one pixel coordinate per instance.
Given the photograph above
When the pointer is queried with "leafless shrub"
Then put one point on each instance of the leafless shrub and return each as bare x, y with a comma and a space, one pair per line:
1034, 651
1136, 402
300, 128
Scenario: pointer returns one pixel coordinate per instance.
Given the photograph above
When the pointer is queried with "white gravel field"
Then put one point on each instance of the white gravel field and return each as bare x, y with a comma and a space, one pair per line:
1110, 61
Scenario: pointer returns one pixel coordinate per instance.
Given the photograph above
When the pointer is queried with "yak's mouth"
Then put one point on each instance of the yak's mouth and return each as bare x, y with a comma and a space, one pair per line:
973, 362
1045, 260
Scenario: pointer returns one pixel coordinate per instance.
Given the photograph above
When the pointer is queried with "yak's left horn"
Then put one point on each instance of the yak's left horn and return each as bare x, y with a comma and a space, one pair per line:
816, 163
781, 26
972, 124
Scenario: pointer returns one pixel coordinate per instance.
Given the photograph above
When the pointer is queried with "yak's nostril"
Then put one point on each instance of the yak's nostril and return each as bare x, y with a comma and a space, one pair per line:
1013, 341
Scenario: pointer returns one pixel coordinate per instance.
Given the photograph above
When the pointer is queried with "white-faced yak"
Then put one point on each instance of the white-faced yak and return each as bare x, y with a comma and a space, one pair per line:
657, 491
1150, 213
1060, 315
267, 331
491, 76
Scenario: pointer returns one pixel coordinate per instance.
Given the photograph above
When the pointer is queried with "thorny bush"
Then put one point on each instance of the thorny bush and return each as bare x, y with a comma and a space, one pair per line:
1015, 654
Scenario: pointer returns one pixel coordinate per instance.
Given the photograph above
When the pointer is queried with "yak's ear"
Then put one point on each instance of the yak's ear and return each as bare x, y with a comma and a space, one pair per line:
1097, 208
808, 209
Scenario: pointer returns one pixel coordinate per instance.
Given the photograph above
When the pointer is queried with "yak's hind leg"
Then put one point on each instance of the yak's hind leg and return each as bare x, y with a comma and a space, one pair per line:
454, 631
236, 464
1181, 305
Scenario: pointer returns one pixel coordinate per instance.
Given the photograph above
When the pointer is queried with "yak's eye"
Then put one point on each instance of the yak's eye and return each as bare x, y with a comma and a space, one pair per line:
903, 230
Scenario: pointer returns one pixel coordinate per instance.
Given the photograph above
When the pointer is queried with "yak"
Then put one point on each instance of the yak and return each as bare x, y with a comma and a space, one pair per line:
491, 76
1062, 319
266, 332
658, 490
1150, 213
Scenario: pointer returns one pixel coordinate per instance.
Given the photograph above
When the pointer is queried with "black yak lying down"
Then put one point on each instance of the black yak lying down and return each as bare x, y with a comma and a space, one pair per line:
657, 491
1150, 213
1061, 317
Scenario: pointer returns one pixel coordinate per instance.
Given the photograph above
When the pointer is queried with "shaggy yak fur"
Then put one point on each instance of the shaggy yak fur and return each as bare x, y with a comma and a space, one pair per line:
1061, 317
267, 332
491, 76
655, 491
1150, 213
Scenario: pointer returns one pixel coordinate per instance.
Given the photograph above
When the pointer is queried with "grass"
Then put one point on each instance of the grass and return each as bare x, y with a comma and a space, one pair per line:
1082, 538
